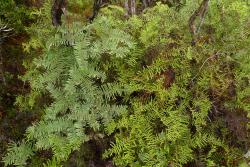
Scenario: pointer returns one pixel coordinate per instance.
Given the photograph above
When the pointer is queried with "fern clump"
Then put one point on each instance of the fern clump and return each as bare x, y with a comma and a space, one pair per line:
69, 72
164, 96
178, 94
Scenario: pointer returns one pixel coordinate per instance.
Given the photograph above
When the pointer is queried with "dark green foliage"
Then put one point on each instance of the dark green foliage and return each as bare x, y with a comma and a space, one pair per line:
18, 154
16, 15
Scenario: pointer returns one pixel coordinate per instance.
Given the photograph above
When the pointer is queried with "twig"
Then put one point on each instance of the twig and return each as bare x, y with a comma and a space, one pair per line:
211, 57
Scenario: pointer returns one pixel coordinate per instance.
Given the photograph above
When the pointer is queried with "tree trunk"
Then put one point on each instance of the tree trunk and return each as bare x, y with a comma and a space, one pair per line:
127, 8
145, 3
57, 10
133, 7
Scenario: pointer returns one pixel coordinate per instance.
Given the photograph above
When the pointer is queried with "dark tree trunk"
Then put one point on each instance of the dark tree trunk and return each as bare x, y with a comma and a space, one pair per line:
57, 10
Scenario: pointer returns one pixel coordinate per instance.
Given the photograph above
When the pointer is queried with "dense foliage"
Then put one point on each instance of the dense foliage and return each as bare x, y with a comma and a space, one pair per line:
140, 83
14, 15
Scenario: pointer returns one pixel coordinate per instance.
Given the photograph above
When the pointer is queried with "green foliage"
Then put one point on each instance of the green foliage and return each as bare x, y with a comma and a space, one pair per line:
18, 154
52, 163
139, 79
70, 74
13, 14
175, 122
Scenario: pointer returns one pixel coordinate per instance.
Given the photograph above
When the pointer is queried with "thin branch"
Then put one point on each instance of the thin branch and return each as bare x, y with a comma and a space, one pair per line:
209, 58
203, 14
96, 7
200, 12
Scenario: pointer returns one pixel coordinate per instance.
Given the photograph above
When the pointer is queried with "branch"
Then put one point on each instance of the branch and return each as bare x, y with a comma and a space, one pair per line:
200, 12
1, 66
5, 32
